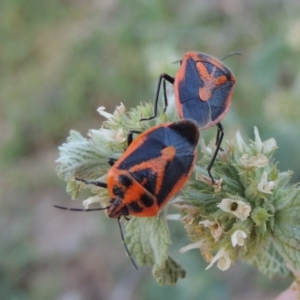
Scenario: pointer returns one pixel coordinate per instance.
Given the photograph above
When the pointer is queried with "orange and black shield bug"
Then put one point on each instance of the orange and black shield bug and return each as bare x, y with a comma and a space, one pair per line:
151, 171
203, 89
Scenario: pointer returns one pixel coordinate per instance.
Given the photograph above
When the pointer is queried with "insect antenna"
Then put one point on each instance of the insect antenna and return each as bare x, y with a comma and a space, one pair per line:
177, 61
120, 227
230, 54
80, 209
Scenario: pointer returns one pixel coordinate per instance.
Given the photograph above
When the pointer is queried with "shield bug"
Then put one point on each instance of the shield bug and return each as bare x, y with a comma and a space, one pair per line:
203, 89
150, 172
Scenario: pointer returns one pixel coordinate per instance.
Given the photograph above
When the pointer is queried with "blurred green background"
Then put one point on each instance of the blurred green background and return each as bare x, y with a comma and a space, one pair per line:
62, 59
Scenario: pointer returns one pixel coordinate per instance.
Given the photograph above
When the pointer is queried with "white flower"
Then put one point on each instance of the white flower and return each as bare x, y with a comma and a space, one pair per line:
225, 154
258, 141
206, 254
108, 134
264, 185
258, 161
238, 208
242, 147
269, 146
119, 110
191, 246
265, 147
102, 196
94, 199
215, 228
117, 113
102, 112
191, 210
207, 180
238, 238
223, 259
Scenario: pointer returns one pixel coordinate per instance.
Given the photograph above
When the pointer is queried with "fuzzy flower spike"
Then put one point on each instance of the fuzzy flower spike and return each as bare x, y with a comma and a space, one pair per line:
255, 209
251, 213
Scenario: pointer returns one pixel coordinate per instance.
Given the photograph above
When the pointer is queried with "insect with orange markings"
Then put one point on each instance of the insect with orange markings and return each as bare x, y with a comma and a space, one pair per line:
150, 172
203, 89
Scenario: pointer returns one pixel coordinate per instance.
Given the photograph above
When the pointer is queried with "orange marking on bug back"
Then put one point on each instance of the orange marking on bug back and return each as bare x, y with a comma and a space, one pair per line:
210, 81
157, 165
205, 91
167, 155
131, 194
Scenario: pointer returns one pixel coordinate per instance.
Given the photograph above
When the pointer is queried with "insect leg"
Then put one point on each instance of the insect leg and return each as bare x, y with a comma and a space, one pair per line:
163, 77
220, 136
111, 161
126, 248
130, 136
97, 183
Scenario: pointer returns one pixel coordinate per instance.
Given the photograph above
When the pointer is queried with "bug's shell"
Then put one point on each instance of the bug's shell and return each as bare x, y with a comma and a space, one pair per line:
154, 168
203, 89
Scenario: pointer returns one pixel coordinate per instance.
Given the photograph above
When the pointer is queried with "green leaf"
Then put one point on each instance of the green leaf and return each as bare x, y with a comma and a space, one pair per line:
169, 272
73, 188
80, 157
148, 240
270, 262
287, 228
